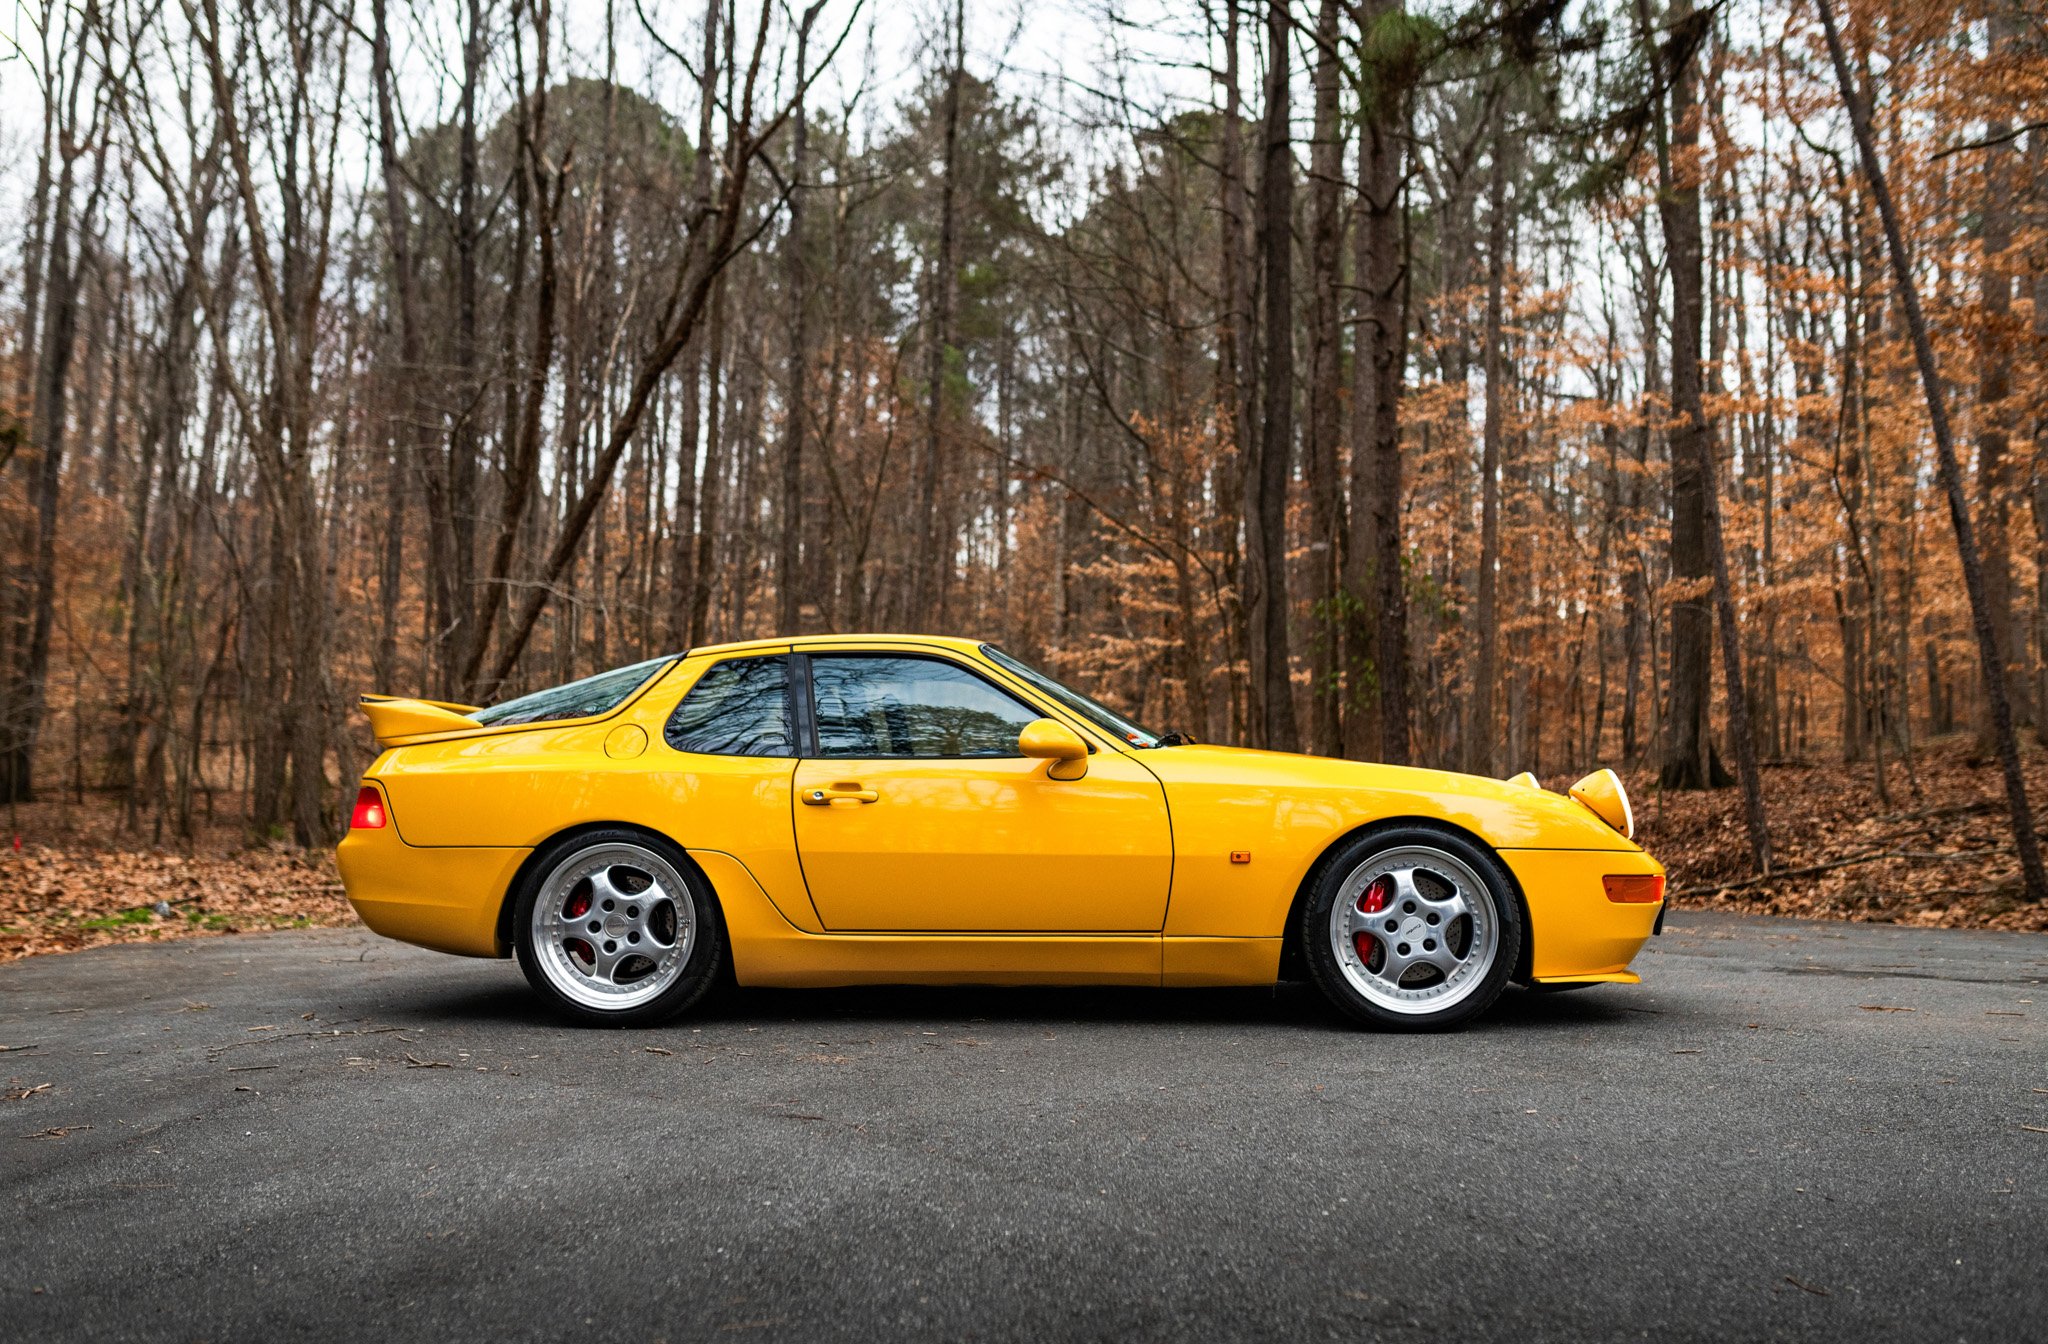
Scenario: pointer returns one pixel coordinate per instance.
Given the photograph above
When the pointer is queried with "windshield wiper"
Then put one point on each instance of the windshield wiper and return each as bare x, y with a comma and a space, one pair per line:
1173, 739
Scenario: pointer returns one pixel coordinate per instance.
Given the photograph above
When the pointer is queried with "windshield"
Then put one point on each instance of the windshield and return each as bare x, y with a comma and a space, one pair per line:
1094, 711
578, 700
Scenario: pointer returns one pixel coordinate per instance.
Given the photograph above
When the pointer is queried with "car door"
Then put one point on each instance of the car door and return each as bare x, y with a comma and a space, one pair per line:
916, 812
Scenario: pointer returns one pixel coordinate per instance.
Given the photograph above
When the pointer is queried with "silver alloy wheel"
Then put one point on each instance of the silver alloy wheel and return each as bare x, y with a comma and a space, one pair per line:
613, 926
1414, 929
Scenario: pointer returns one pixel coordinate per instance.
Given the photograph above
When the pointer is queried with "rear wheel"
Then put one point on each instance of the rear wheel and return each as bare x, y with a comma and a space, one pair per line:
616, 928
1412, 928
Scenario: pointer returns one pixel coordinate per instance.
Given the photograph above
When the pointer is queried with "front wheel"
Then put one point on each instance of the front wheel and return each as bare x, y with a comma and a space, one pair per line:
616, 928
1412, 928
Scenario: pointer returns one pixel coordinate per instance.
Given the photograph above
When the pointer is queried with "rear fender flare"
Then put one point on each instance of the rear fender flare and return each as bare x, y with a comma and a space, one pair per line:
509, 897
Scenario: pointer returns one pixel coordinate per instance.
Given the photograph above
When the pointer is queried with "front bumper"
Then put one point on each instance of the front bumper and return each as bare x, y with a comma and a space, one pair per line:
1576, 932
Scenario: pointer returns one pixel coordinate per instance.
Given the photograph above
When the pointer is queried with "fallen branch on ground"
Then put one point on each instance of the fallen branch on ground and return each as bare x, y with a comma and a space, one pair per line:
1814, 868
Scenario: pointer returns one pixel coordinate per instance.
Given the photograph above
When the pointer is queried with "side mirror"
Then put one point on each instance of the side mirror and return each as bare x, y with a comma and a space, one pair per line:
1052, 740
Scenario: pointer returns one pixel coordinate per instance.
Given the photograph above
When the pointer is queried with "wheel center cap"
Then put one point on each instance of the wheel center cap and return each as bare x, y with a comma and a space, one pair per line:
1414, 930
615, 925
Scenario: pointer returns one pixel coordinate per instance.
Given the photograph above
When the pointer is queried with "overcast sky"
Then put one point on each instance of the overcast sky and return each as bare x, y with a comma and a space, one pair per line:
1057, 55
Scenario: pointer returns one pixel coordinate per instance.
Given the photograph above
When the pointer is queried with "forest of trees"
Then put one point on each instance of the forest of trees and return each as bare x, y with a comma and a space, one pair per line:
1529, 385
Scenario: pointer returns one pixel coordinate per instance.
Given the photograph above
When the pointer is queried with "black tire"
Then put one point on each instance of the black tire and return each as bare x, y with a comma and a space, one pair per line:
1477, 985
703, 965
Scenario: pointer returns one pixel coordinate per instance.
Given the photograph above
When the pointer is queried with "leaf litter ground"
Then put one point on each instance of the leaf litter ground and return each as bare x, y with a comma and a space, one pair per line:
1937, 855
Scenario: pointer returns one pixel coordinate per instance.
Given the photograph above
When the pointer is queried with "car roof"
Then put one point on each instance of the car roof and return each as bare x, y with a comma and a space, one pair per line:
951, 642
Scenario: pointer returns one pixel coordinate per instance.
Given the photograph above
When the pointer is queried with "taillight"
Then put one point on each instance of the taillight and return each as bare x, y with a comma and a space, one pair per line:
1634, 888
369, 812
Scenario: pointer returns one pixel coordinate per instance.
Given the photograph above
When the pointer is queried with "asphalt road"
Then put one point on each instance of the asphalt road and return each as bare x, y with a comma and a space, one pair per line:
1791, 1130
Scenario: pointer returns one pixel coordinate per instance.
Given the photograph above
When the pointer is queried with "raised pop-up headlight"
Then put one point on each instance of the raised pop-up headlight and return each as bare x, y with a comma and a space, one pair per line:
1603, 794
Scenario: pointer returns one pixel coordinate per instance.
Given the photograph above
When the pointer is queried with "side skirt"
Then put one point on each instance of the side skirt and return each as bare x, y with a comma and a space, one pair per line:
768, 950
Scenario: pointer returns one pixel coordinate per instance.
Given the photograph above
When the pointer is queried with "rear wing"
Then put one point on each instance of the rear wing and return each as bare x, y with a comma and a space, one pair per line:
393, 718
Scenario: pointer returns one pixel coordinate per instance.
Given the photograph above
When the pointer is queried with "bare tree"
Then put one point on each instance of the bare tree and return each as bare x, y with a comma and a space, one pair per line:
1270, 463
1989, 655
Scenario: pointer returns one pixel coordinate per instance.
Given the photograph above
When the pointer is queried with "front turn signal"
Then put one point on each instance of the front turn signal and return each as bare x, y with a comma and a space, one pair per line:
369, 814
1634, 888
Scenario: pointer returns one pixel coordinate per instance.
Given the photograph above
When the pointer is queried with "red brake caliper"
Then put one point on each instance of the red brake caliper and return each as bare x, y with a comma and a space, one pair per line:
1374, 901
577, 907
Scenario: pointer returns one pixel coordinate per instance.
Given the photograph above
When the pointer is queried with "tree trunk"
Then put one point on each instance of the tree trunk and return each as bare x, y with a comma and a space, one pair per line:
1994, 416
1325, 399
545, 190
931, 561
1688, 757
461, 628
1235, 372
711, 495
1270, 465
684, 617
710, 246
789, 585
30, 606
2037, 154
1479, 728
1378, 587
1739, 728
1988, 652
411, 443
27, 698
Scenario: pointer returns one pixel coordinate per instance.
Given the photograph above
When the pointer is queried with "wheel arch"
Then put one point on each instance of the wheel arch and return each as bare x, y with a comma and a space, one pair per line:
1294, 961
509, 897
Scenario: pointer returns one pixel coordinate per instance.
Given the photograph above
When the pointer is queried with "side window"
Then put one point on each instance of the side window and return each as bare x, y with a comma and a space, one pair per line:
739, 707
876, 706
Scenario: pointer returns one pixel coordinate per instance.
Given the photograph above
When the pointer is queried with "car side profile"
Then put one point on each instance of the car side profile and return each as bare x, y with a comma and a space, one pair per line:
893, 809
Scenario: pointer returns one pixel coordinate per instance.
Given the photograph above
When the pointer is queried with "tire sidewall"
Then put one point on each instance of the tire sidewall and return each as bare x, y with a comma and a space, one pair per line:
1329, 976
700, 972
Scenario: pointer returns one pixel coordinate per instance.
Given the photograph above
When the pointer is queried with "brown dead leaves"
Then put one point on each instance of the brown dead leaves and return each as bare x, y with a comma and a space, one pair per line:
81, 885
1941, 857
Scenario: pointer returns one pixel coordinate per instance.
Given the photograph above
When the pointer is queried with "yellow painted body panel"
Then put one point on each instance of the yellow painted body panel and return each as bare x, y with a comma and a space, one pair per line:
518, 787
960, 871
1286, 811
1580, 931
986, 846
446, 899
1189, 962
768, 950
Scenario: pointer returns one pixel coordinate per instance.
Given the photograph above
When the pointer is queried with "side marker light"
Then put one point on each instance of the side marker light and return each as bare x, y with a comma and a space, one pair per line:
1634, 888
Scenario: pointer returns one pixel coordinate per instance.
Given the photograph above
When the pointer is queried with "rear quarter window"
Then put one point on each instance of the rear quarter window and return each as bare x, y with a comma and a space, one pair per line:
739, 707
583, 699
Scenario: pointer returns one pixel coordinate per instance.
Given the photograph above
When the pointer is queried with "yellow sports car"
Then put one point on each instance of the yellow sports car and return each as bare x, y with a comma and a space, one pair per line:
896, 809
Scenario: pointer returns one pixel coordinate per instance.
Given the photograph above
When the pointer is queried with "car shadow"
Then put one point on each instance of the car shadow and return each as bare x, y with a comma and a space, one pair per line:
1290, 1005
1294, 1006
1526, 1009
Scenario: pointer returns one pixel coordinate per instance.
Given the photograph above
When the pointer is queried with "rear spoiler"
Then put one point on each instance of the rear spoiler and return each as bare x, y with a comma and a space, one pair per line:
393, 718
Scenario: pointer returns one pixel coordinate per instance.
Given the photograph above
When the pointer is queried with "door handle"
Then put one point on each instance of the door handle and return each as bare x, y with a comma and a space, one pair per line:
827, 797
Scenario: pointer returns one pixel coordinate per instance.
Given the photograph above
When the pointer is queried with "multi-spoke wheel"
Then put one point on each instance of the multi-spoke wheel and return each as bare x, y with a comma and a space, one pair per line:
1412, 927
616, 927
